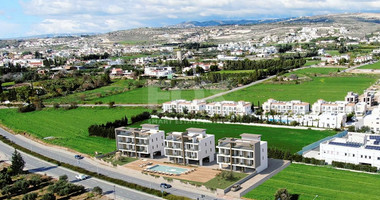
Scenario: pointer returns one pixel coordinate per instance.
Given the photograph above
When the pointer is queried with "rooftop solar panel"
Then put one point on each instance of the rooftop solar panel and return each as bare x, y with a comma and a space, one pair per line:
356, 145
373, 147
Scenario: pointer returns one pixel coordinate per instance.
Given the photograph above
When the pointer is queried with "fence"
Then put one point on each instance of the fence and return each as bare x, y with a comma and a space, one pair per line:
316, 144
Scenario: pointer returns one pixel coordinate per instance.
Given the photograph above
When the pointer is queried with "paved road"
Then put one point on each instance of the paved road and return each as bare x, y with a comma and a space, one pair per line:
36, 165
86, 163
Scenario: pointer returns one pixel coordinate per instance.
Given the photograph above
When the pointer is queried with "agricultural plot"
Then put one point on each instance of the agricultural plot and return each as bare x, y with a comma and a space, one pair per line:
327, 88
371, 66
68, 128
283, 138
327, 183
154, 95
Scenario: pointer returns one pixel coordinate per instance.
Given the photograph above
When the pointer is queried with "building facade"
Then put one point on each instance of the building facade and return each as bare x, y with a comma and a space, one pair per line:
180, 105
225, 108
293, 107
322, 106
146, 141
193, 146
249, 152
355, 148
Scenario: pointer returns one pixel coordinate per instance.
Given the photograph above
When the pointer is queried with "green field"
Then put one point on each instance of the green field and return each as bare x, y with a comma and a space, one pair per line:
327, 183
312, 62
154, 95
69, 127
312, 71
283, 138
118, 86
7, 84
327, 88
371, 66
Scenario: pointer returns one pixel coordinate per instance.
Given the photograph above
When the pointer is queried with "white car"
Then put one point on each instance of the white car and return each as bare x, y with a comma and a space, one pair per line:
81, 177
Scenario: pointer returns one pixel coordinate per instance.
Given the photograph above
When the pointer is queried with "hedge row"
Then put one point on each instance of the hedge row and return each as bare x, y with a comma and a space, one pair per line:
366, 168
94, 174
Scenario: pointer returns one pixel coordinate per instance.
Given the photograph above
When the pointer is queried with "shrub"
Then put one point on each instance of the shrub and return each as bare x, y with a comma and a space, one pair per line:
27, 108
56, 105
97, 190
48, 196
30, 196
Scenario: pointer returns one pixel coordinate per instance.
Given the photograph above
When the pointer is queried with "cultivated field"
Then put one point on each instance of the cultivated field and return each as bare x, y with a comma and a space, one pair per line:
371, 66
327, 183
283, 138
328, 88
154, 95
68, 127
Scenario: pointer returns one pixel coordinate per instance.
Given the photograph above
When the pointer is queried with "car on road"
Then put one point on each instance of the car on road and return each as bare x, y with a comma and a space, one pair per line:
165, 185
81, 177
235, 187
78, 157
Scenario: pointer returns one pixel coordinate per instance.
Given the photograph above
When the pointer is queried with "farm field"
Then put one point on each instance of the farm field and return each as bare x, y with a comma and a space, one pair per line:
327, 88
327, 183
371, 66
68, 127
116, 87
154, 95
283, 138
316, 71
312, 62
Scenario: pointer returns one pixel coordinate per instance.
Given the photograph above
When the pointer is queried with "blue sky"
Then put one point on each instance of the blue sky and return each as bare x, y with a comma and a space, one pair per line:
35, 17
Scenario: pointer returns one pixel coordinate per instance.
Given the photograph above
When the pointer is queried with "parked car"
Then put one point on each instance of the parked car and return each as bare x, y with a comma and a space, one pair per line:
235, 187
81, 177
78, 157
165, 185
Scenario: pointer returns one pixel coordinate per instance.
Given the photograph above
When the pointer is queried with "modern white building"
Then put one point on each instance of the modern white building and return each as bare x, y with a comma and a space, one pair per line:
291, 107
158, 72
322, 106
351, 97
355, 148
146, 141
225, 108
249, 152
180, 105
368, 97
373, 120
193, 146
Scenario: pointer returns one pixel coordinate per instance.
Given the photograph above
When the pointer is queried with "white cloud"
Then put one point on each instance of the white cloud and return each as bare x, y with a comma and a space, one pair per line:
101, 15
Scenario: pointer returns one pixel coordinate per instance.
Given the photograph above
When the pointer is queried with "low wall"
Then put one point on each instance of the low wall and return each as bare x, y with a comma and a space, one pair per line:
264, 179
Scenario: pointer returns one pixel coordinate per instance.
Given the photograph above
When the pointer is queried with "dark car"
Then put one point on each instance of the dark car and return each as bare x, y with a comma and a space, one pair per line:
78, 157
165, 185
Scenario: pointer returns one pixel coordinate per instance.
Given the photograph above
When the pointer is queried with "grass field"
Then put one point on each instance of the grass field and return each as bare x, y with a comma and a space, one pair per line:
287, 139
116, 87
317, 71
327, 183
7, 84
154, 95
371, 66
312, 62
69, 127
327, 88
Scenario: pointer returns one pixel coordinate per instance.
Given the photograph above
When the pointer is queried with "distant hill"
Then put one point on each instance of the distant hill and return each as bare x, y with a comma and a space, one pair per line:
191, 24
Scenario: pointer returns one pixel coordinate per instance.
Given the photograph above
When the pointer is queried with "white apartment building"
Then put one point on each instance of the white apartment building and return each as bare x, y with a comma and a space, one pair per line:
368, 97
322, 106
249, 152
355, 148
294, 106
193, 146
180, 105
225, 108
146, 141
351, 97
158, 72
373, 120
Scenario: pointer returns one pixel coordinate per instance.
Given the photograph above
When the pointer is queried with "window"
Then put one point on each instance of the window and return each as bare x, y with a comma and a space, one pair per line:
156, 139
152, 147
353, 155
369, 157
378, 158
345, 154
152, 139
361, 156
365, 156
162, 144
210, 142
262, 150
206, 151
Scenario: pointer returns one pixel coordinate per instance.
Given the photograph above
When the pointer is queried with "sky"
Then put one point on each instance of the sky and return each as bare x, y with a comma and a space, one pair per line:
19, 18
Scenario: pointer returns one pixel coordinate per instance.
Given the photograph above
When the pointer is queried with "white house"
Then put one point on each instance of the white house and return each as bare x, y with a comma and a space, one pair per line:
249, 152
352, 97
180, 105
146, 141
368, 97
322, 106
193, 146
294, 106
158, 72
373, 120
225, 108
355, 148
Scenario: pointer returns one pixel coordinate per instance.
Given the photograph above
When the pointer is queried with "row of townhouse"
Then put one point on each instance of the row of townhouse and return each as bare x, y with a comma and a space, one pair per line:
193, 146
223, 108
350, 105
158, 72
355, 148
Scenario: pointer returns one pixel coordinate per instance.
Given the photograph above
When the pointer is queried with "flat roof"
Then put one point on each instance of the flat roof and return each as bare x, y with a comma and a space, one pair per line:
196, 129
250, 135
150, 125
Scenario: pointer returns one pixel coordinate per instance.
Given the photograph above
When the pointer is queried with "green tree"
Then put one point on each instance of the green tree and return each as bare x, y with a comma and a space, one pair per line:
48, 196
18, 163
30, 196
97, 190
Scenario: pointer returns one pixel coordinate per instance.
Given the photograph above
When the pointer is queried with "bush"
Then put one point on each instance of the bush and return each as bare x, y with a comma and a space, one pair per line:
226, 175
30, 196
140, 117
56, 105
97, 190
111, 104
107, 130
48, 196
27, 108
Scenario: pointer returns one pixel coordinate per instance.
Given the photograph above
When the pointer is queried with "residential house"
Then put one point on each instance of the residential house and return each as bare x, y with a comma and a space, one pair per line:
180, 105
225, 108
284, 107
